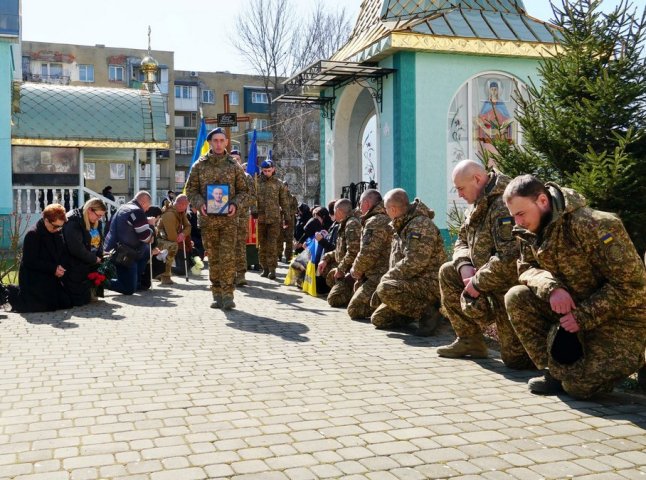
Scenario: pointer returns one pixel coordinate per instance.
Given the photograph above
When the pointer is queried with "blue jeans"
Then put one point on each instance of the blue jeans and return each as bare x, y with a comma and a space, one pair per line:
127, 281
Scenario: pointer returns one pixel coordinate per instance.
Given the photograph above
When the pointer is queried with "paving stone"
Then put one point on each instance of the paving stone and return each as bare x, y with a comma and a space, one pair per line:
283, 387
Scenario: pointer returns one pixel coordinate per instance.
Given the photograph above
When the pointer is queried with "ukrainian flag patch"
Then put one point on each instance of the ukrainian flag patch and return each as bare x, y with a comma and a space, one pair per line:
506, 221
415, 236
607, 238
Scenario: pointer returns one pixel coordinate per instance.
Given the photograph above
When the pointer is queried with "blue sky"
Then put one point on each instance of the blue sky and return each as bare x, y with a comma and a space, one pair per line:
198, 31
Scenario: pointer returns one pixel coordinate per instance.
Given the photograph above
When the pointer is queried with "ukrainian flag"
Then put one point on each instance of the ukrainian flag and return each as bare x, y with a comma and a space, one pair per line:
201, 145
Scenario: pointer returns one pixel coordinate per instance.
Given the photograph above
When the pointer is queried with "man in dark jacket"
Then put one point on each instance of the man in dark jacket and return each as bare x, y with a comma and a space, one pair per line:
130, 226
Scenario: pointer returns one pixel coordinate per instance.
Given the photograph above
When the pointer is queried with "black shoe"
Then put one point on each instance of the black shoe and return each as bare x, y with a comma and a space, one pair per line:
216, 303
264, 273
228, 304
272, 275
545, 385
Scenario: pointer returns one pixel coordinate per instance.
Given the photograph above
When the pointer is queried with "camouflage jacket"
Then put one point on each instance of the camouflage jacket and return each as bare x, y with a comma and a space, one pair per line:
215, 169
588, 253
250, 202
486, 240
171, 223
347, 244
417, 250
376, 238
271, 196
289, 215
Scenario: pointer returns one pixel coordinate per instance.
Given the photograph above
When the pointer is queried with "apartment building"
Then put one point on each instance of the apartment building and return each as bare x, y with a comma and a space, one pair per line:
202, 95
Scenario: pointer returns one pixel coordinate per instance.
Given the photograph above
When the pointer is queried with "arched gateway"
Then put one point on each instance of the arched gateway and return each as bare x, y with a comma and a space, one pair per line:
413, 64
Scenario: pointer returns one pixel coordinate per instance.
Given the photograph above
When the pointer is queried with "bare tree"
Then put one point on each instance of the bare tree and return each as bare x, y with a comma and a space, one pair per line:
277, 45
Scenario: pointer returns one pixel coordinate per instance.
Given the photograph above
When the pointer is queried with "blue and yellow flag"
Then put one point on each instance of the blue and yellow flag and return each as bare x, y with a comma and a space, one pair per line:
201, 145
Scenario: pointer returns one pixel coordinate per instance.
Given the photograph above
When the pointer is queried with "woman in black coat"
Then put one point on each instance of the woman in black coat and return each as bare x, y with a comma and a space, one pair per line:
41, 276
83, 239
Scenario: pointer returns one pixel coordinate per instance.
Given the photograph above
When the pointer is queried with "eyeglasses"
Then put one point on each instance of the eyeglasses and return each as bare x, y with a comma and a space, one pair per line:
56, 226
99, 214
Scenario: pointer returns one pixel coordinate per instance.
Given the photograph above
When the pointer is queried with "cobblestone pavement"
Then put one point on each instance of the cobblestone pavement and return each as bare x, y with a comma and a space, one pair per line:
159, 386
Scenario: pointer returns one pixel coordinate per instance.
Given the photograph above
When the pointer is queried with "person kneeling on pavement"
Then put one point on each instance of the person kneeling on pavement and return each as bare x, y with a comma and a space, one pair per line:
580, 310
409, 290
173, 228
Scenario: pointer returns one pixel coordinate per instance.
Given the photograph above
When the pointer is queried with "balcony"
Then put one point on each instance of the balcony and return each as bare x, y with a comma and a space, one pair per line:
51, 79
261, 136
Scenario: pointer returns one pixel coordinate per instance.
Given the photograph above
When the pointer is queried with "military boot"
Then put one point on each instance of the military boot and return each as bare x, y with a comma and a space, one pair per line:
272, 274
228, 303
545, 385
473, 346
217, 302
428, 323
265, 272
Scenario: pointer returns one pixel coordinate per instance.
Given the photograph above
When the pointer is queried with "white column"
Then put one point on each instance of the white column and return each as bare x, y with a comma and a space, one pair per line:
81, 194
153, 175
137, 170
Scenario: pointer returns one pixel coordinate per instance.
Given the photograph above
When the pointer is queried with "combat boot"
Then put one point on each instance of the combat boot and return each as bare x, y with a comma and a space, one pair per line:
545, 385
272, 275
241, 282
228, 303
428, 323
473, 346
265, 272
217, 302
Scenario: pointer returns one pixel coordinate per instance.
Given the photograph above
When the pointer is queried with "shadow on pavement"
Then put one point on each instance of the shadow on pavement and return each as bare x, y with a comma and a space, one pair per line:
60, 319
247, 322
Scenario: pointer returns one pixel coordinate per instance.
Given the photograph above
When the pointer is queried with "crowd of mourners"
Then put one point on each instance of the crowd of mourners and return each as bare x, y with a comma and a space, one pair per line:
562, 283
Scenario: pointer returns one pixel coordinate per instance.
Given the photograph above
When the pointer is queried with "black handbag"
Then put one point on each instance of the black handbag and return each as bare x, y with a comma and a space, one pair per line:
124, 256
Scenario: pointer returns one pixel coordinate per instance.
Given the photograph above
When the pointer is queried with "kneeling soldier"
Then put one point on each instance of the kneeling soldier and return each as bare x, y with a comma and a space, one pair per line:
580, 310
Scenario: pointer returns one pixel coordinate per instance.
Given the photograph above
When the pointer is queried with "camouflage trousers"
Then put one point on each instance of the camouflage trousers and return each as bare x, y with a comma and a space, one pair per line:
286, 237
471, 317
359, 306
402, 302
241, 246
220, 242
267, 241
341, 291
172, 248
611, 351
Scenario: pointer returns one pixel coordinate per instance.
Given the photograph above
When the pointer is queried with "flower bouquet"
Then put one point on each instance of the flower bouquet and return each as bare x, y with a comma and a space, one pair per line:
100, 277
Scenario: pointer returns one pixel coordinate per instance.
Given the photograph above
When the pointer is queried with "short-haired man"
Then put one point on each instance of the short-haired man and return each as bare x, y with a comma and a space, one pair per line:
372, 261
474, 283
580, 310
270, 197
173, 228
130, 226
347, 246
219, 232
409, 290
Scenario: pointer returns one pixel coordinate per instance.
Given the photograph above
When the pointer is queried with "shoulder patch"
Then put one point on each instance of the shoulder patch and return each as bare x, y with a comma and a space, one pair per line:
506, 221
607, 238
415, 236
505, 228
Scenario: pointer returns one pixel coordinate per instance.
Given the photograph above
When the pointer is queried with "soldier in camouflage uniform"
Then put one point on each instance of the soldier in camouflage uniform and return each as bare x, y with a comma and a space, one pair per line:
173, 227
474, 284
374, 253
218, 231
409, 290
289, 221
347, 247
243, 225
270, 198
583, 290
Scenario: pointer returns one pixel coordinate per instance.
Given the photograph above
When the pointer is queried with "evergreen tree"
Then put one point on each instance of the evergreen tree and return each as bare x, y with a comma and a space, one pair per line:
585, 124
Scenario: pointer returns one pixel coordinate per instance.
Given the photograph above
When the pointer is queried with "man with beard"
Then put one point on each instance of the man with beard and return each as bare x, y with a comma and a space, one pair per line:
580, 310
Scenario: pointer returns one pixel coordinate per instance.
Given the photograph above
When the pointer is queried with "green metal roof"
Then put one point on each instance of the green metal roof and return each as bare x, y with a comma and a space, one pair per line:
89, 116
487, 19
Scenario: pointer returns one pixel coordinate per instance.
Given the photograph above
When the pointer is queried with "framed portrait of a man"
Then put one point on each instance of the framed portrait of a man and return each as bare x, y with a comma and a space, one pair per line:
217, 199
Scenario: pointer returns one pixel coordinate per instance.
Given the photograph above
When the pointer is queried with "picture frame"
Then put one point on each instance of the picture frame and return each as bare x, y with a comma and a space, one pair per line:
217, 199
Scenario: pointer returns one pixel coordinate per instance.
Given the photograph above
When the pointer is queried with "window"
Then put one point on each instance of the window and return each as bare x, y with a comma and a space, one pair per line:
182, 91
115, 73
89, 172
208, 96
261, 124
146, 172
235, 129
51, 70
233, 97
259, 97
86, 73
263, 151
117, 171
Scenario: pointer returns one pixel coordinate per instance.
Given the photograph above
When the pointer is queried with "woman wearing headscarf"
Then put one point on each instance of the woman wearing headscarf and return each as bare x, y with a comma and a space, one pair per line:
83, 240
